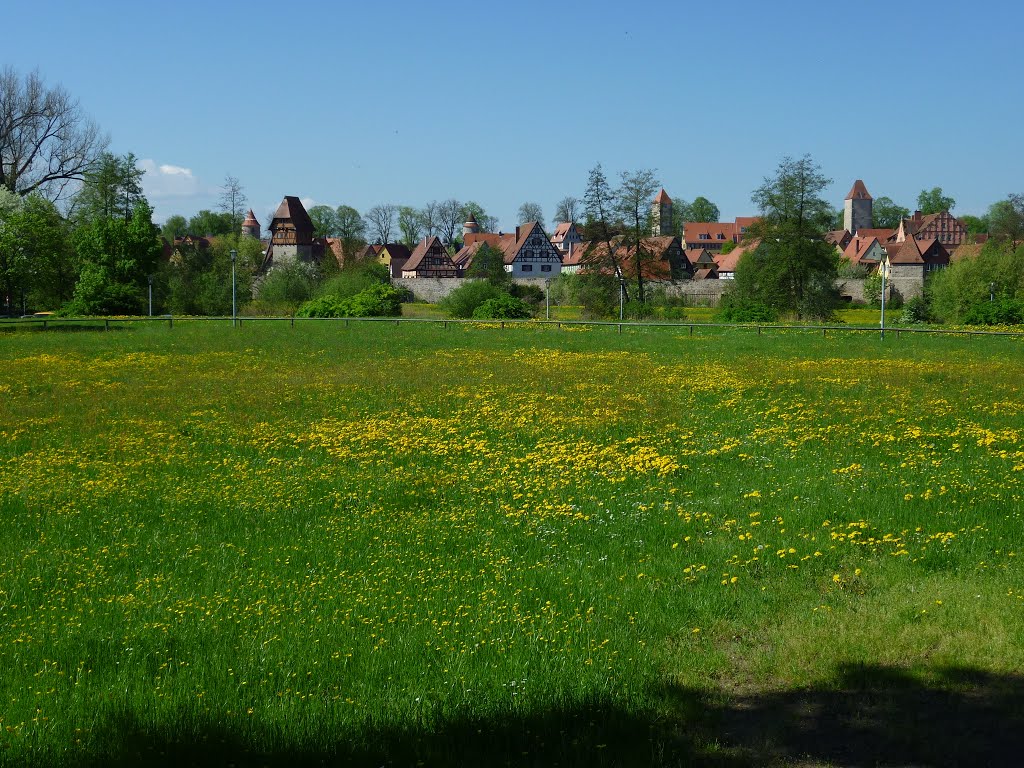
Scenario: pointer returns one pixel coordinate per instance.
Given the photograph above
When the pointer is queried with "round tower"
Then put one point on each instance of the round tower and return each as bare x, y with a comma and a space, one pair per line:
470, 227
251, 227
857, 208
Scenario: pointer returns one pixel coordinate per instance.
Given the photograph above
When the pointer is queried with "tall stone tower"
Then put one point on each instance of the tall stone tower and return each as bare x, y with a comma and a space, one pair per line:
251, 227
661, 215
470, 227
291, 232
857, 208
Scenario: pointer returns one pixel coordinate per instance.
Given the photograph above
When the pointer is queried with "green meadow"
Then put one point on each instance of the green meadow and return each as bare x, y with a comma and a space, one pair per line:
373, 544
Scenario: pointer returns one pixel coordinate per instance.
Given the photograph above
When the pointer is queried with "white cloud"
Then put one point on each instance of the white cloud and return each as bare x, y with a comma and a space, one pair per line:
163, 181
307, 202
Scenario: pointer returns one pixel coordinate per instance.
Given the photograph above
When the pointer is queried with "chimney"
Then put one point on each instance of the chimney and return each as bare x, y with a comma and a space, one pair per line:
517, 233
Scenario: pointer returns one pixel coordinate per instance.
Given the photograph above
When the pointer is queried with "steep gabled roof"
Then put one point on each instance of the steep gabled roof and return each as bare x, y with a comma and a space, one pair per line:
663, 198
397, 251
907, 252
858, 248
705, 274
423, 247
699, 256
858, 191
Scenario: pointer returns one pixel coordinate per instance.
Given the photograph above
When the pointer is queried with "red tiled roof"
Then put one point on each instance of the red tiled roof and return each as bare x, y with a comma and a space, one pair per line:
883, 235
663, 198
906, 252
717, 232
250, 220
858, 248
422, 249
726, 262
705, 274
698, 256
859, 191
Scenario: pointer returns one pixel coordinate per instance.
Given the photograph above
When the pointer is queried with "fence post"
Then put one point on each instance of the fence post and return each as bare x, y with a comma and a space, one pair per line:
759, 330
346, 322
106, 324
691, 330
620, 327
824, 332
293, 321
446, 325
44, 325
503, 325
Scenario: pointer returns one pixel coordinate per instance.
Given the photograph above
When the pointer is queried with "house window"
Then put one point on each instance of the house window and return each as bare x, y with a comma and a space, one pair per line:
545, 268
704, 236
527, 267
721, 236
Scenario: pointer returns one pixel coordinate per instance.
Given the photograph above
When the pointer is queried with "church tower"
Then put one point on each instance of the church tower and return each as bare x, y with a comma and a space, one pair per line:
857, 208
661, 215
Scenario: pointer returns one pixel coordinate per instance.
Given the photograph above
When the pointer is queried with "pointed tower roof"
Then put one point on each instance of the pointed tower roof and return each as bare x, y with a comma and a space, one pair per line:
909, 253
663, 198
858, 191
250, 220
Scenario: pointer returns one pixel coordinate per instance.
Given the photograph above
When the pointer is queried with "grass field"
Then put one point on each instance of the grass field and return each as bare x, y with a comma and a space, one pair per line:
415, 545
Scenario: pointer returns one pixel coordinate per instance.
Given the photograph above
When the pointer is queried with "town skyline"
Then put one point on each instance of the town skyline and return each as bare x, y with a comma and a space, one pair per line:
462, 102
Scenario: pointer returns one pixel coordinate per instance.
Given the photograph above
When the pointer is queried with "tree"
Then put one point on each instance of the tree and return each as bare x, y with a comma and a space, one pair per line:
568, 209
600, 206
430, 217
885, 214
111, 187
410, 224
975, 225
530, 212
232, 200
702, 209
933, 201
351, 230
117, 257
489, 264
988, 288
350, 224
175, 226
380, 220
325, 220
485, 221
41, 236
634, 204
1006, 220
46, 141
793, 270
208, 223
450, 216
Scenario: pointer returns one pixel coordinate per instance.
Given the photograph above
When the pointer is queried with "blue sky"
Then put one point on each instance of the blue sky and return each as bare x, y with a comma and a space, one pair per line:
370, 102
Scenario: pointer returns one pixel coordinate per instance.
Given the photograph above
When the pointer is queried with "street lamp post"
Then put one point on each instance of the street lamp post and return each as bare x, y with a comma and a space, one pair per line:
234, 304
884, 269
622, 291
991, 292
547, 299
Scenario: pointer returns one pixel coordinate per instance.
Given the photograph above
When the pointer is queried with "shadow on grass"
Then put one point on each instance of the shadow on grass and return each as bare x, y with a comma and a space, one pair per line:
867, 716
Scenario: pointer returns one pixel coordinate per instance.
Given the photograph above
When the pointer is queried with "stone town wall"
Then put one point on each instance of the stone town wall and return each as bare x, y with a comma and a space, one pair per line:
434, 289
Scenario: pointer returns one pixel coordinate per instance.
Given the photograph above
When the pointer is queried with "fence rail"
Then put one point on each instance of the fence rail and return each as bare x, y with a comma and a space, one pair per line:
107, 322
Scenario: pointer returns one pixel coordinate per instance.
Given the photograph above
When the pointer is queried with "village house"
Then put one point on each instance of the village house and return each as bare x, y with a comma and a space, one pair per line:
663, 259
713, 235
527, 252
699, 258
430, 259
394, 256
565, 238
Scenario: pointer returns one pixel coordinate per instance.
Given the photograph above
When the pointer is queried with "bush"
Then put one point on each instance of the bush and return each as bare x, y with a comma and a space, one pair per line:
376, 301
531, 294
1002, 311
288, 285
463, 301
731, 311
354, 278
915, 311
503, 307
873, 290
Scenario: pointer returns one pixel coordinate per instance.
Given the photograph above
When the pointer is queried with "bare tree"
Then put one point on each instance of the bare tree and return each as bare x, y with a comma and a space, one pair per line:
46, 141
380, 220
429, 218
449, 219
568, 209
634, 204
232, 198
600, 203
530, 212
